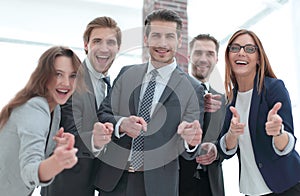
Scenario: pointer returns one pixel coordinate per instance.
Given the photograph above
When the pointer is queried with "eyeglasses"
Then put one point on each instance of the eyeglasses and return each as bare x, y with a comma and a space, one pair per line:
248, 48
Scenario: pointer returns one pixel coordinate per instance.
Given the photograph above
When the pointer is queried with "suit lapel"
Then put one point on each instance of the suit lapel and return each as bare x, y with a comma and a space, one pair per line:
253, 114
215, 122
54, 127
141, 71
88, 82
175, 78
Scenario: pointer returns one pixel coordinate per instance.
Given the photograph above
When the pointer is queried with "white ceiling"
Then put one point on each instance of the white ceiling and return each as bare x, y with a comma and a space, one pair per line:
63, 21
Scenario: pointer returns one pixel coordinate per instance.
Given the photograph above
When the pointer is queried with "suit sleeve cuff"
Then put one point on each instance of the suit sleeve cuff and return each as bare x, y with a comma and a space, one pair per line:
186, 146
96, 151
289, 147
117, 132
223, 147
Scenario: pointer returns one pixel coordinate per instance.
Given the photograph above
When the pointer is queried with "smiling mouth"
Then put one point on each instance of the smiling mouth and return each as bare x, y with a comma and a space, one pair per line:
103, 60
60, 91
241, 62
201, 66
102, 57
162, 50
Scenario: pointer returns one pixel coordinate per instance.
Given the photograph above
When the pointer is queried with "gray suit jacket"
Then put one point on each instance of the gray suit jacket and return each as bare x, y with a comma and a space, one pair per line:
23, 140
214, 170
179, 101
78, 116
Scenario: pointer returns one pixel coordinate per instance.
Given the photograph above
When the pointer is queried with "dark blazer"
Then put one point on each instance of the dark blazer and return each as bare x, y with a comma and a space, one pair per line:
179, 101
78, 118
212, 126
279, 172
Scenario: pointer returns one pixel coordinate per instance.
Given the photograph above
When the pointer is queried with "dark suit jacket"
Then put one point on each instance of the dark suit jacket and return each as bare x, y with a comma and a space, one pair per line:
179, 101
78, 118
279, 172
212, 133
212, 126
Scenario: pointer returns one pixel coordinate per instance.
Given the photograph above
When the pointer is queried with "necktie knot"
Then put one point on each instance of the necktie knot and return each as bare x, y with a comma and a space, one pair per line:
107, 82
154, 73
205, 88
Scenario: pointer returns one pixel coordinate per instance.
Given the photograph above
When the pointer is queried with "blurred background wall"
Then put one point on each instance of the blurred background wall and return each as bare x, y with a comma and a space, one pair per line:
28, 28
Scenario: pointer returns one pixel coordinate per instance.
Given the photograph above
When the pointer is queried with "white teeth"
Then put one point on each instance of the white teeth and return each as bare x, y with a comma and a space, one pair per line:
202, 66
241, 62
62, 91
103, 57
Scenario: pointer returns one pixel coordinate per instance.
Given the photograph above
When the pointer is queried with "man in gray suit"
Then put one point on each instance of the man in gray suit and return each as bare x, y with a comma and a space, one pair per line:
171, 126
102, 40
205, 179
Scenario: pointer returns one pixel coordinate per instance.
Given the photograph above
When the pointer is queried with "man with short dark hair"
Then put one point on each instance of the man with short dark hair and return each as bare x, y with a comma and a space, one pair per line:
203, 176
155, 109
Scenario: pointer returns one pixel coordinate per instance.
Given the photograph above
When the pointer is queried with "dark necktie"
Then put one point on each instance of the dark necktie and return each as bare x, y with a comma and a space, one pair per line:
137, 159
205, 89
107, 82
207, 115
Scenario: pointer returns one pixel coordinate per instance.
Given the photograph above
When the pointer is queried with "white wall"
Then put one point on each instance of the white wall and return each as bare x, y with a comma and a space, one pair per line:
63, 22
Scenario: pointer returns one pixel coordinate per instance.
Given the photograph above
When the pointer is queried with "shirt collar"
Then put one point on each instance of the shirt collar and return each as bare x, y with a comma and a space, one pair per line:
205, 83
164, 71
92, 70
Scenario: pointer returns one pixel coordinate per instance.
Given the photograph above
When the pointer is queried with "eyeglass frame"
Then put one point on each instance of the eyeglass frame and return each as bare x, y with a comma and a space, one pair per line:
240, 47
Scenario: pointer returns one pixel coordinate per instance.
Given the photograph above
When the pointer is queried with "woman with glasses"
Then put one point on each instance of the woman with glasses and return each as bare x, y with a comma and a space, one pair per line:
258, 125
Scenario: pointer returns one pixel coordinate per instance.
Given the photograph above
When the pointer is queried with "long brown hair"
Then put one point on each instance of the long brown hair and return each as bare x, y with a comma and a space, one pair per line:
36, 86
263, 69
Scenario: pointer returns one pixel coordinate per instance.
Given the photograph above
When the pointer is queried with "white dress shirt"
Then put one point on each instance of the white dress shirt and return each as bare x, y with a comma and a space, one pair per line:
99, 85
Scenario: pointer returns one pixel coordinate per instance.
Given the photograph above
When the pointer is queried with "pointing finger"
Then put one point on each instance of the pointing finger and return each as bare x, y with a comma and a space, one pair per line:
234, 112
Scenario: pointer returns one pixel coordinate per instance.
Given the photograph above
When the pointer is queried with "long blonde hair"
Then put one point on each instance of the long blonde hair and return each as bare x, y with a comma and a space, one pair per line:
36, 86
263, 69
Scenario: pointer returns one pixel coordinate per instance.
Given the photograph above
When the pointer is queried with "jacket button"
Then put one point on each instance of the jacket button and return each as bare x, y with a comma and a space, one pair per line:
260, 165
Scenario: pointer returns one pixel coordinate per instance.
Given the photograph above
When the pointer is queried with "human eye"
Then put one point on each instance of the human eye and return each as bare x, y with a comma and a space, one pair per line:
250, 48
210, 54
58, 74
73, 75
170, 36
197, 52
96, 41
155, 35
111, 42
234, 48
